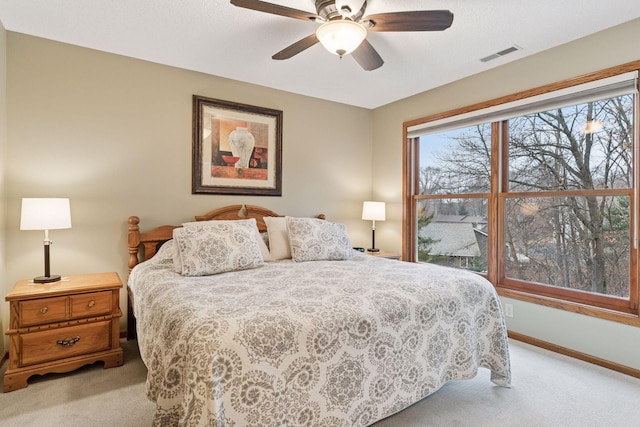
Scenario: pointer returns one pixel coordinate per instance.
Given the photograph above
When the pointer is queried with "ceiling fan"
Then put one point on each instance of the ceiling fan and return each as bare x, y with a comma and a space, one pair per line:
344, 27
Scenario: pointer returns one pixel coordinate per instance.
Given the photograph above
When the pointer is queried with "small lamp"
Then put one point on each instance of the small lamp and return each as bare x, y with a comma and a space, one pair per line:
45, 214
373, 211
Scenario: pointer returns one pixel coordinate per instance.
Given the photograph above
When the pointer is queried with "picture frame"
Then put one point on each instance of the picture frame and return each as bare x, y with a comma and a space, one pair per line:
237, 148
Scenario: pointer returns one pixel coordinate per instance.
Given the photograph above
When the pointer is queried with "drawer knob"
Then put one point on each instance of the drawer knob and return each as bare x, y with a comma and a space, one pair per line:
43, 310
92, 303
68, 341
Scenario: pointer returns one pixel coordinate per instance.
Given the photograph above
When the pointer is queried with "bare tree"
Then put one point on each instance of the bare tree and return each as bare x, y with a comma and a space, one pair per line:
571, 240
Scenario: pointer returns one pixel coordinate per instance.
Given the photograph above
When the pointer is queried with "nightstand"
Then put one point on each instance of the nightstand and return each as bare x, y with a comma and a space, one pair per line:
61, 326
383, 254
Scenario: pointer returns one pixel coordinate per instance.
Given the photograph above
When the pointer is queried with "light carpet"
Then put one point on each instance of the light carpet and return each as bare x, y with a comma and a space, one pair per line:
548, 389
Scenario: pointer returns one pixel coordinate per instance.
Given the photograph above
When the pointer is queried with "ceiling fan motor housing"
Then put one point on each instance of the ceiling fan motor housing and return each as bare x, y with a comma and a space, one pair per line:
328, 10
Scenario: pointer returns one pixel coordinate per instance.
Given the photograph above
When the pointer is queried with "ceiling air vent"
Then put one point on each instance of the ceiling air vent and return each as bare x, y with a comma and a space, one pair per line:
501, 53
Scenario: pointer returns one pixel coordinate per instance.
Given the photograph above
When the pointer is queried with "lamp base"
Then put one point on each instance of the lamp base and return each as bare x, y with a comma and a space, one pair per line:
46, 279
373, 250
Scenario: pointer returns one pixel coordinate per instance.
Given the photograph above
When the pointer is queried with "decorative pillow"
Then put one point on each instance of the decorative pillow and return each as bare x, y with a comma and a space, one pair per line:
164, 253
213, 247
278, 237
263, 240
313, 239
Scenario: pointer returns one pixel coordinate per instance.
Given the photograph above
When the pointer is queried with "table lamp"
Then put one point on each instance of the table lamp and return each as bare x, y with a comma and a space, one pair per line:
373, 211
45, 214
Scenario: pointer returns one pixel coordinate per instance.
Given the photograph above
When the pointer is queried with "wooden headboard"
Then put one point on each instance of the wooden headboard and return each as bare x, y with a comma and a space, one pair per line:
143, 246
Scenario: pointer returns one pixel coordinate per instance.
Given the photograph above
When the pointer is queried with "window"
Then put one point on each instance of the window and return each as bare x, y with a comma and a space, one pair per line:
540, 195
455, 180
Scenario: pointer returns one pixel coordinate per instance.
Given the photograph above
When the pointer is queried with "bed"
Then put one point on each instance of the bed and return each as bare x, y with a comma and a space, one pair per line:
333, 338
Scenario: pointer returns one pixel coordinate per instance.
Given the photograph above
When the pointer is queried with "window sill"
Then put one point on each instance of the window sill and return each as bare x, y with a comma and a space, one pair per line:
601, 313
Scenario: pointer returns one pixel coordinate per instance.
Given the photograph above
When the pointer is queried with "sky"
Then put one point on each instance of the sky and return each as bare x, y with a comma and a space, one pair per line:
433, 144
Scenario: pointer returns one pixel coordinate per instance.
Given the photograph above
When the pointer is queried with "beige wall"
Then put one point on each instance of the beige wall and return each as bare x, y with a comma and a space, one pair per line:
3, 144
608, 340
114, 135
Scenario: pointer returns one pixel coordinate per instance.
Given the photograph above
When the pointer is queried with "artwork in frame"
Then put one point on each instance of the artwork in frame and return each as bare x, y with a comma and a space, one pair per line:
237, 148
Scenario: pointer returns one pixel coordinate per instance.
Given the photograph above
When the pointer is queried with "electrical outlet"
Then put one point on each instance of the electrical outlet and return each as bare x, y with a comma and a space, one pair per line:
508, 310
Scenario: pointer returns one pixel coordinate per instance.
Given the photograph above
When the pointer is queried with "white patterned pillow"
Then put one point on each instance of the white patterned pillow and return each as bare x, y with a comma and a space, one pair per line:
263, 238
313, 239
214, 247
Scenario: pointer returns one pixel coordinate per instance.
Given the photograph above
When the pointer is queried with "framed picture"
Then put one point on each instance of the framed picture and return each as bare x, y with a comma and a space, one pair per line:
237, 148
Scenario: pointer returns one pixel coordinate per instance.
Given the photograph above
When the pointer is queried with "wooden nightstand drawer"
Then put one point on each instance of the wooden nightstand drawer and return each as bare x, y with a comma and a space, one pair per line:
63, 325
92, 304
54, 344
45, 310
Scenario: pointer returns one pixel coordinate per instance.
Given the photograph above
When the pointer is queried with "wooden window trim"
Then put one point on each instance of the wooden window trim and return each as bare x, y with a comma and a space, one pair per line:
604, 307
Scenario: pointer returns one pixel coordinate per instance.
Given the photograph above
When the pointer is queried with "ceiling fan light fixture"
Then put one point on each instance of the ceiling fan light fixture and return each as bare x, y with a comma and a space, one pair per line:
341, 37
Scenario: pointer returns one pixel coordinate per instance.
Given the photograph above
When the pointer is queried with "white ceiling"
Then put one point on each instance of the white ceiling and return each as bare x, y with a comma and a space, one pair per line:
215, 37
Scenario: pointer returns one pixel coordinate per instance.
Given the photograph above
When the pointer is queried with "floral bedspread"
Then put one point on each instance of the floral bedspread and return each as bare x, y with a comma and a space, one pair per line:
323, 343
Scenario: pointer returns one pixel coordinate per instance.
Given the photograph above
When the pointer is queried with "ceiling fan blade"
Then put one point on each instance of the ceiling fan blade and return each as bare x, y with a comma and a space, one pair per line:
419, 20
275, 9
297, 47
367, 56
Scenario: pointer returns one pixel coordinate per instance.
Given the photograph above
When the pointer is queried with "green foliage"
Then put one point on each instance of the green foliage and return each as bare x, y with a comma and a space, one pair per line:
618, 215
425, 243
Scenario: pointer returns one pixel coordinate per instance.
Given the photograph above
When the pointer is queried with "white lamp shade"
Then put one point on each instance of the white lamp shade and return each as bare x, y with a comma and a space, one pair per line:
45, 214
373, 211
341, 36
